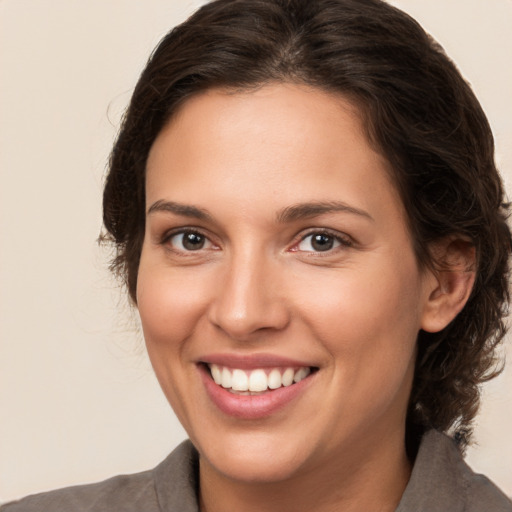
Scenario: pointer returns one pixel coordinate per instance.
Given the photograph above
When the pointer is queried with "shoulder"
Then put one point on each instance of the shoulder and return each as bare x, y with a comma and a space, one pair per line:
480, 493
124, 492
483, 495
169, 485
442, 481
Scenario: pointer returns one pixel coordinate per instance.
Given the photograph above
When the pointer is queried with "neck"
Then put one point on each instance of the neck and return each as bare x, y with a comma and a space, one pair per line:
373, 478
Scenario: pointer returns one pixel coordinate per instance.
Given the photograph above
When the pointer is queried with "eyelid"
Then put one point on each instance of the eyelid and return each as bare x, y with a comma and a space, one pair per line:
168, 235
344, 240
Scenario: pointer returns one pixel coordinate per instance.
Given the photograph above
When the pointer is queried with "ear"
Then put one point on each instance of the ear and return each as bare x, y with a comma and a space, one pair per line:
449, 283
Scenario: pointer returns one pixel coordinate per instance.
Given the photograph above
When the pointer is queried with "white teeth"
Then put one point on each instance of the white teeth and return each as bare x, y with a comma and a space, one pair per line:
302, 373
288, 377
226, 378
258, 381
246, 382
274, 379
216, 374
239, 381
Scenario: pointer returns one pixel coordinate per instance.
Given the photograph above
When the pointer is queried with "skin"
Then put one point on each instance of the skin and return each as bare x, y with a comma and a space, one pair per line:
259, 286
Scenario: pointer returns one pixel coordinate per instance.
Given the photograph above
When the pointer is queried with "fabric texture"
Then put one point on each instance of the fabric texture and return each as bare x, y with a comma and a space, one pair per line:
440, 482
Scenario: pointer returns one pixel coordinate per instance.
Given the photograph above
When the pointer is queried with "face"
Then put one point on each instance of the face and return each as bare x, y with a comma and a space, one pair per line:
278, 290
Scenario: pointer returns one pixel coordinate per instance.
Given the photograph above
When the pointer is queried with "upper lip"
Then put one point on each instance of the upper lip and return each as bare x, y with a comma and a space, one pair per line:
253, 361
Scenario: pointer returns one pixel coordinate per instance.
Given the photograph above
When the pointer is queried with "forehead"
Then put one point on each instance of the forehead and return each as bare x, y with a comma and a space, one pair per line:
285, 142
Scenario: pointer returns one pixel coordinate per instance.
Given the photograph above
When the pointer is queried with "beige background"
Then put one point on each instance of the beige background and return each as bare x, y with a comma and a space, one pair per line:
78, 401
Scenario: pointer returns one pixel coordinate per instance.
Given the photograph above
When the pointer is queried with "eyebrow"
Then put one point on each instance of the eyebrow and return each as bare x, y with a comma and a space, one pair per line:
184, 210
314, 209
289, 214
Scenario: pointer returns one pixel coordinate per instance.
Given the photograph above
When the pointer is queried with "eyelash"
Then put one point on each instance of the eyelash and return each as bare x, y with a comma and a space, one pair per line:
342, 241
166, 239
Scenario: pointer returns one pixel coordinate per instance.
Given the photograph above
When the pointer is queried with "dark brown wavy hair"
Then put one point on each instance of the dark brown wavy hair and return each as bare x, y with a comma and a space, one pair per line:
418, 112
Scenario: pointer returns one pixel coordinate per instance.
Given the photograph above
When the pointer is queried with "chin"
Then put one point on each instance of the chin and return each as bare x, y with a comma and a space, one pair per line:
254, 460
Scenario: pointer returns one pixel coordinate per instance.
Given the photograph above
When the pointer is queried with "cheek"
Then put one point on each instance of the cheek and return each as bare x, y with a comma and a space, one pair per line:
363, 301
170, 308
170, 304
368, 321
370, 334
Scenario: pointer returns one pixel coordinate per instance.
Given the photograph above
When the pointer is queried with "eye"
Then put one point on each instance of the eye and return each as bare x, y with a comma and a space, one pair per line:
320, 242
189, 241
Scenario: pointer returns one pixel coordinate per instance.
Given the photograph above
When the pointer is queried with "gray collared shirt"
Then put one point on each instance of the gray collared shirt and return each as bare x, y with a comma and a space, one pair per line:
440, 482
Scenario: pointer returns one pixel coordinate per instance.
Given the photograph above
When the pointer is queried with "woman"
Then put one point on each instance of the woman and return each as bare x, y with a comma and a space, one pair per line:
307, 214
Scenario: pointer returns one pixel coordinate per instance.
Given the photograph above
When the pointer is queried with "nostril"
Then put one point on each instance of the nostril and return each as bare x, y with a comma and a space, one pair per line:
247, 303
245, 326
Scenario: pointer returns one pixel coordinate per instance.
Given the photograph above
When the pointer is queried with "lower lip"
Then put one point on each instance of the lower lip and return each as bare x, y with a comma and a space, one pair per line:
251, 406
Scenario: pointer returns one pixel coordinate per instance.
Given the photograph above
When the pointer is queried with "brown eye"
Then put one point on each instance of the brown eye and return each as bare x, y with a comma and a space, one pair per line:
318, 242
189, 241
193, 241
322, 242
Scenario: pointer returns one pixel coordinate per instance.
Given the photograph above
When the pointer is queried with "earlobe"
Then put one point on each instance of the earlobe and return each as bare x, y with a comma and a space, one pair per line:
450, 283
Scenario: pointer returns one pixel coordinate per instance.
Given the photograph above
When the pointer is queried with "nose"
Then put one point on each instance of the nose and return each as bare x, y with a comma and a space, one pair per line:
249, 299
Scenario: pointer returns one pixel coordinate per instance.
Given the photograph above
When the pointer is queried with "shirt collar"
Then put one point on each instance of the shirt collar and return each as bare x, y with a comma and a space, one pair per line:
436, 484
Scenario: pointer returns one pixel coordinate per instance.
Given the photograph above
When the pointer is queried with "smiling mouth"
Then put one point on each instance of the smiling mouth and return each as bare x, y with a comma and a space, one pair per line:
259, 380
